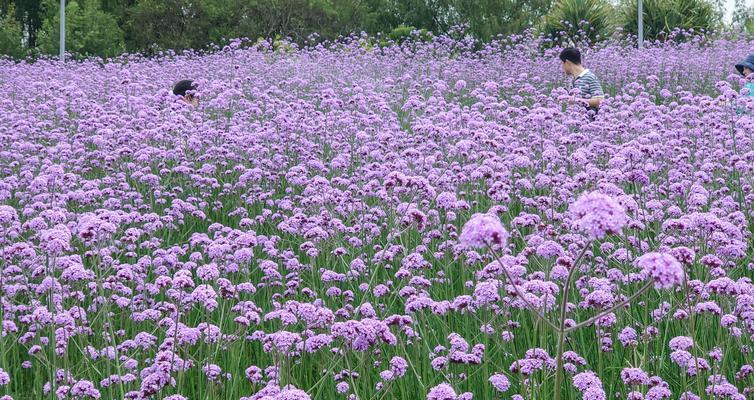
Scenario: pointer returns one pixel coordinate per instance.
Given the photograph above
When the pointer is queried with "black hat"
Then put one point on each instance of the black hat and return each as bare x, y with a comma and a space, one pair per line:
183, 86
748, 63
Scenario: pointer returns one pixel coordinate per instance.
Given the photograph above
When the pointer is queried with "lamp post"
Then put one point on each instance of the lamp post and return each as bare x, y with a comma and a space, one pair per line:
641, 24
62, 30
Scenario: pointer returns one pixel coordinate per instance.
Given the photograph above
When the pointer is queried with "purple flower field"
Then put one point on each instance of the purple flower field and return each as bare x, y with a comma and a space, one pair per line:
415, 222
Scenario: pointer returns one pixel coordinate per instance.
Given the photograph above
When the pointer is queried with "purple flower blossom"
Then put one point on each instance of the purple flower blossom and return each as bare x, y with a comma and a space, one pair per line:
628, 337
85, 389
658, 393
662, 268
594, 393
317, 219
634, 376
342, 387
399, 366
292, 394
442, 391
586, 380
482, 230
598, 215
439, 363
681, 343
500, 382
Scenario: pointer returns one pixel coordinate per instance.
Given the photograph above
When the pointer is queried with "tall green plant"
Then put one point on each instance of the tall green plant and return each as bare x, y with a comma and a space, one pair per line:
578, 20
662, 17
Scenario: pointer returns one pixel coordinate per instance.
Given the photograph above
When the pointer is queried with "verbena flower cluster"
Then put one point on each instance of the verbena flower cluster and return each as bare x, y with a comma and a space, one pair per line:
369, 223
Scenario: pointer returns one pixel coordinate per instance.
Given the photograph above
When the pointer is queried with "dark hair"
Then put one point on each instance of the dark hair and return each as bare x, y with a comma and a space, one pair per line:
571, 54
183, 86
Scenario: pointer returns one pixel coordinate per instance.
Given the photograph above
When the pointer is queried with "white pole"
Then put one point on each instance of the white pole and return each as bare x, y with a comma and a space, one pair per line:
641, 24
62, 30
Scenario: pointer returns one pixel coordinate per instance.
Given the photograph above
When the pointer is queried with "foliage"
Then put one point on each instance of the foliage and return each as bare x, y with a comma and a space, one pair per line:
488, 18
663, 17
29, 15
403, 33
107, 27
89, 30
484, 18
579, 20
11, 38
167, 24
152, 25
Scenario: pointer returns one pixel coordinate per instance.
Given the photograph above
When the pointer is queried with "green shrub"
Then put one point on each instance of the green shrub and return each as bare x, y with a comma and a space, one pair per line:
578, 20
662, 17
402, 33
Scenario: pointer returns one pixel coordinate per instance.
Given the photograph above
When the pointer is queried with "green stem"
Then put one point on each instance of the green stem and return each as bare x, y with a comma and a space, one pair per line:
518, 292
611, 309
561, 329
559, 365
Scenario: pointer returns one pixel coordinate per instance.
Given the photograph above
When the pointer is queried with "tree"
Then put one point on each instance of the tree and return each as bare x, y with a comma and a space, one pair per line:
175, 24
28, 14
300, 18
487, 18
11, 37
434, 15
89, 30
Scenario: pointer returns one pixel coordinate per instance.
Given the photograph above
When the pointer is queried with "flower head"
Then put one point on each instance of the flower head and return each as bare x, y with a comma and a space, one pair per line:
85, 389
442, 391
500, 382
482, 230
598, 215
634, 376
681, 343
662, 268
291, 393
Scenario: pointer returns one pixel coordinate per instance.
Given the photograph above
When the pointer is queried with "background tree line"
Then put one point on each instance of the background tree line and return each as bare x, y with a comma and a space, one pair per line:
110, 27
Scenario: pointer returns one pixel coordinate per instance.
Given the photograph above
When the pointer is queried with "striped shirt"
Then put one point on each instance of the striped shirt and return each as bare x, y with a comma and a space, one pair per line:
588, 85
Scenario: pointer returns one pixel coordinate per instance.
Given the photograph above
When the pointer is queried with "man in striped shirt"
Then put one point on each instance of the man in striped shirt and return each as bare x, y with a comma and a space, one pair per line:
583, 79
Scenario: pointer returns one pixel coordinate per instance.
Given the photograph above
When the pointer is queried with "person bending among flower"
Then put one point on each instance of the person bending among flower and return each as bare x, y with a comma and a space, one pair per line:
583, 79
746, 68
186, 89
